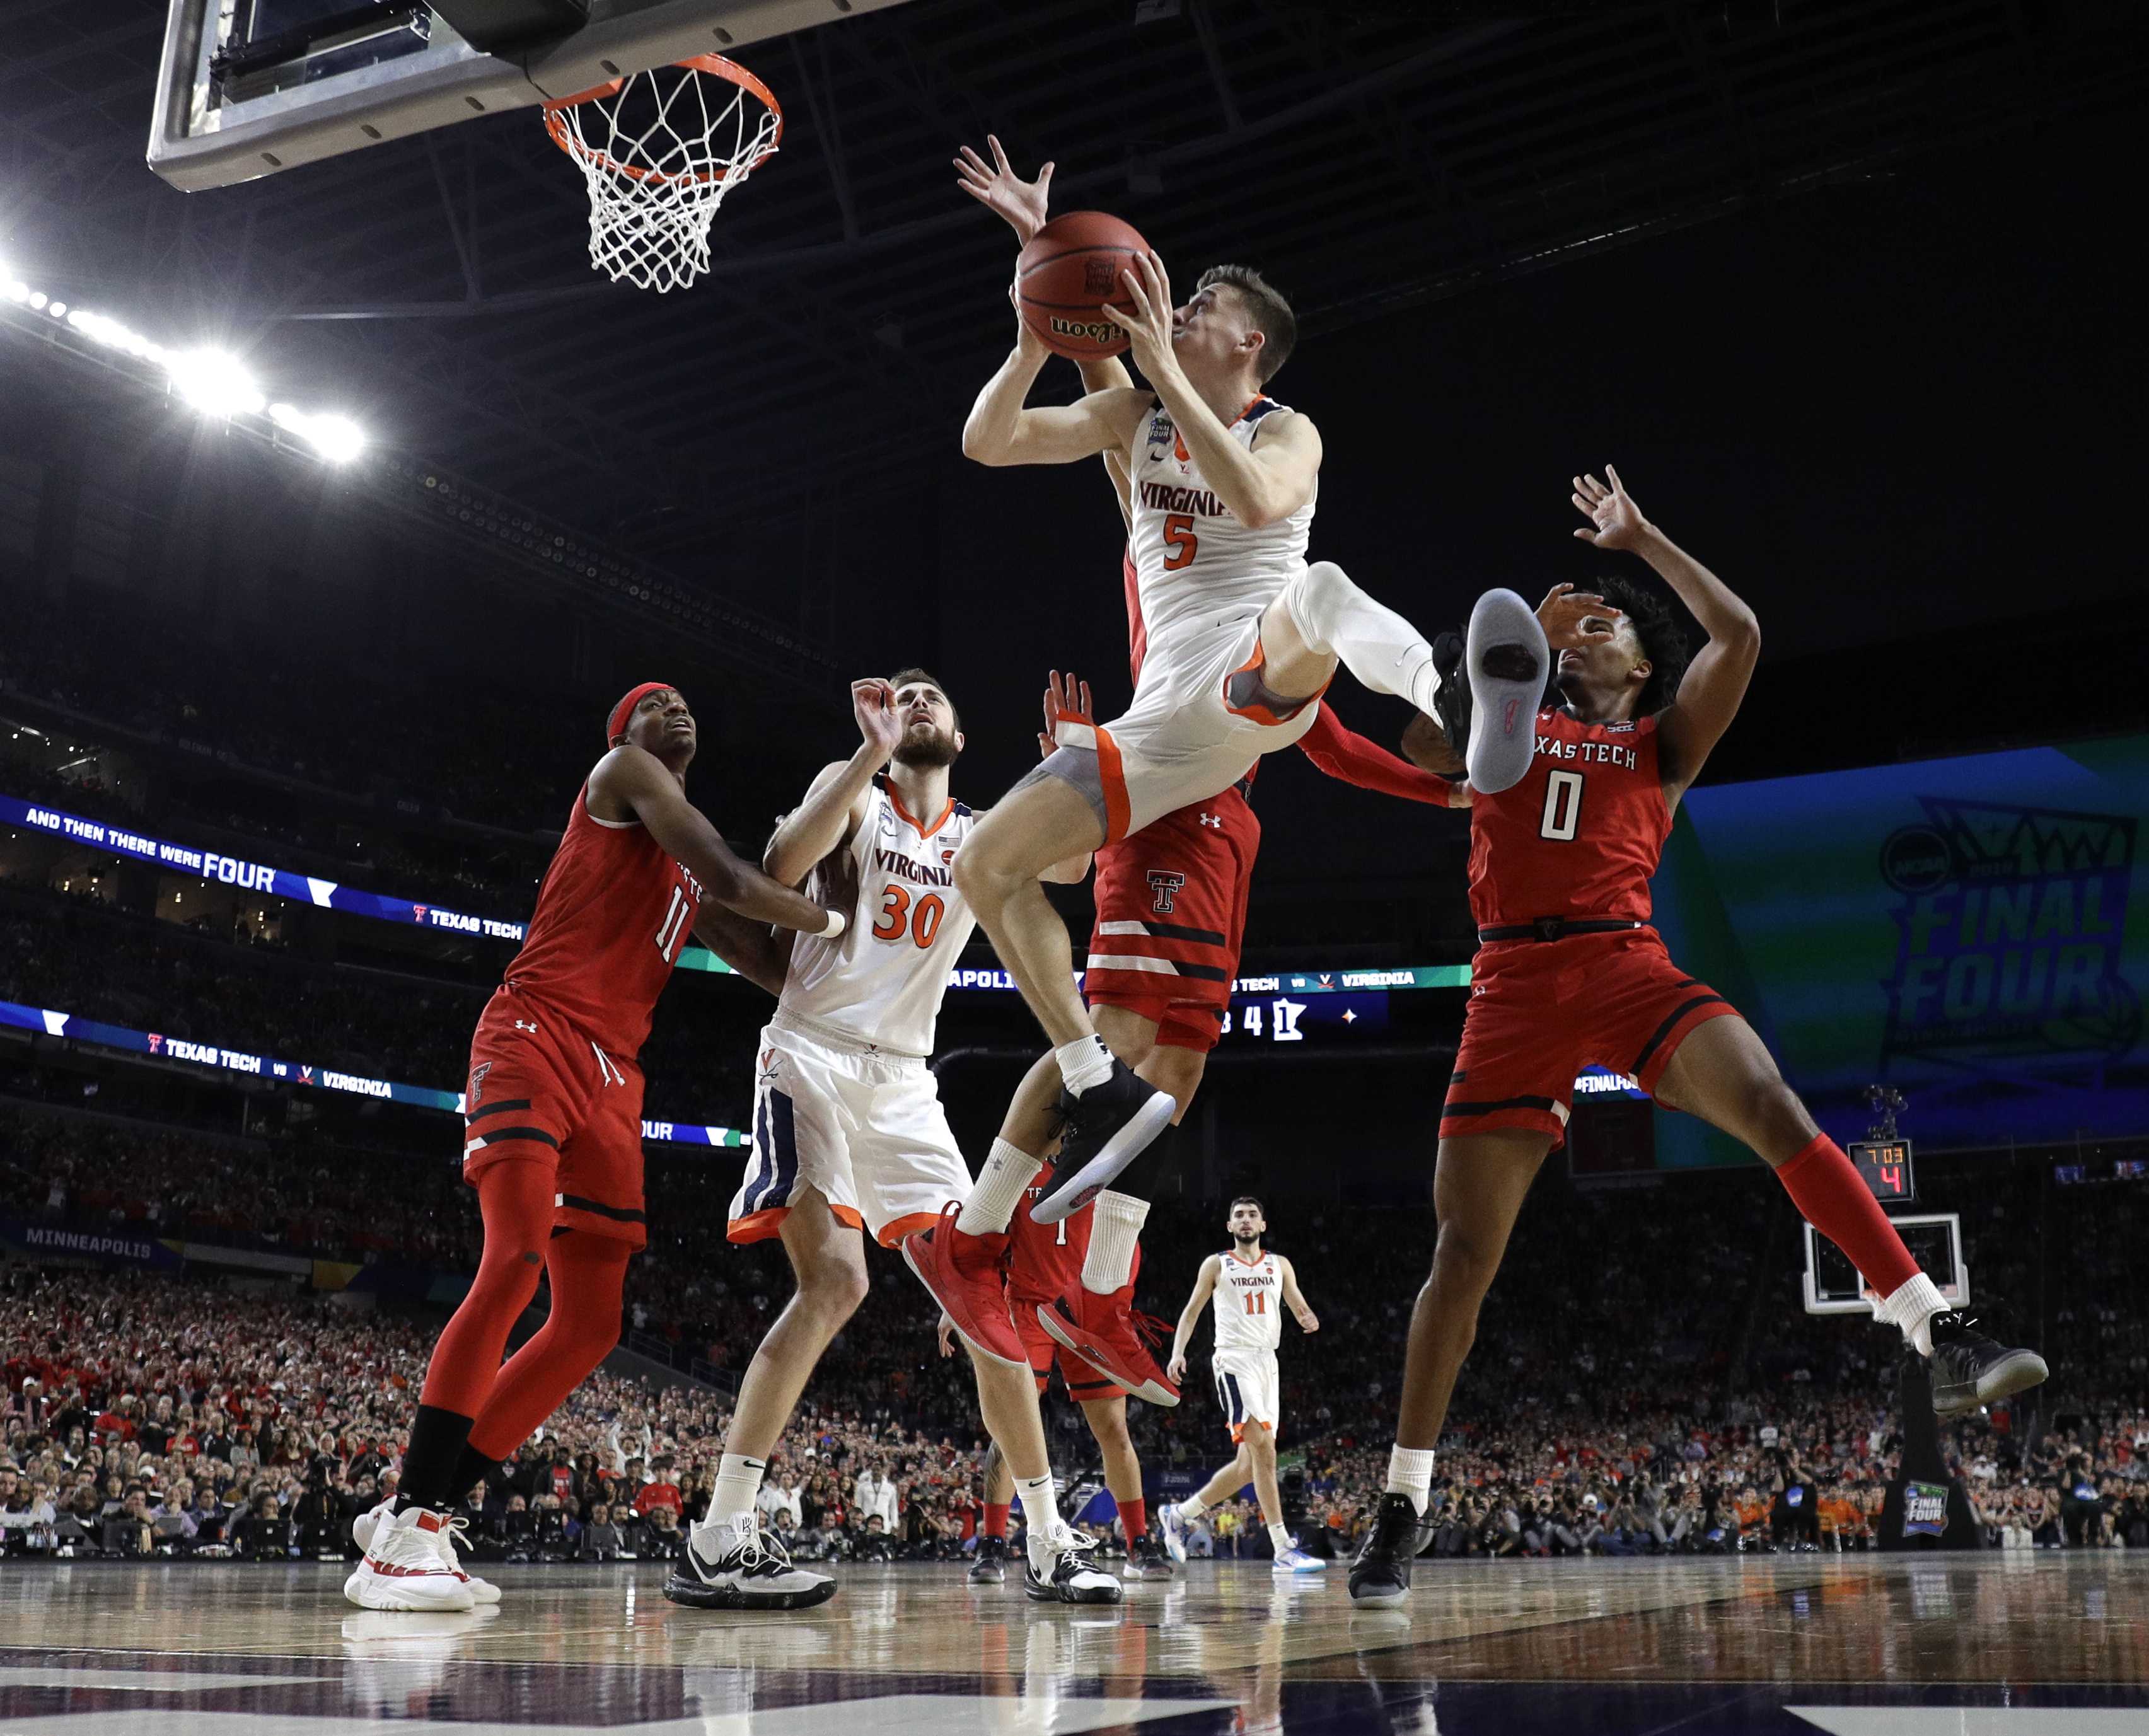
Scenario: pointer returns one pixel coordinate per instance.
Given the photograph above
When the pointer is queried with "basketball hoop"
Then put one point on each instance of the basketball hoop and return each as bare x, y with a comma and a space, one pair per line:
659, 150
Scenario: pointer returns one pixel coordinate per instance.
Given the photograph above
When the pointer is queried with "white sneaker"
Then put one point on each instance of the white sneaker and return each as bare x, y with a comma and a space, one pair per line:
403, 1568
453, 1533
368, 1522
734, 1564
1175, 1532
1065, 1570
1509, 664
1296, 1560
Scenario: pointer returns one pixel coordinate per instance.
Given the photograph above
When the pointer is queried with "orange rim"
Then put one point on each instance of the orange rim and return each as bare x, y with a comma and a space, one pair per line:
716, 66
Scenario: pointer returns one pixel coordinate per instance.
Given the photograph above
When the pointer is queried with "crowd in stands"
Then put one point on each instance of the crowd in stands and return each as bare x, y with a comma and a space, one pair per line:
1639, 1384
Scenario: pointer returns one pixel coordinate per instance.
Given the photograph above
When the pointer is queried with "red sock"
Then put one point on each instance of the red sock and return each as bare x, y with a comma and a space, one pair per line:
1134, 1515
996, 1512
515, 1199
1825, 1186
587, 1274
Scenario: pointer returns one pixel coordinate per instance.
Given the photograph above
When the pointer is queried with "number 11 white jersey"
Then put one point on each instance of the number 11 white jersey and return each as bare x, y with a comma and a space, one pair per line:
1249, 1303
882, 979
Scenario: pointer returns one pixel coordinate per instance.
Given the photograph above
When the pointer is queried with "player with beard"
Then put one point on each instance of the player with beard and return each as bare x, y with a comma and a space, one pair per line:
849, 1138
552, 1134
1568, 972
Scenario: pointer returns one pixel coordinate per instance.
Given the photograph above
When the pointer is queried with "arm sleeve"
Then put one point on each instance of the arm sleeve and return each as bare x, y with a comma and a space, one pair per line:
1353, 759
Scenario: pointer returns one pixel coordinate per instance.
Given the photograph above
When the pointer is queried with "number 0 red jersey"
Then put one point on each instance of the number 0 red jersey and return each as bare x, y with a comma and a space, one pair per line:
611, 915
1580, 835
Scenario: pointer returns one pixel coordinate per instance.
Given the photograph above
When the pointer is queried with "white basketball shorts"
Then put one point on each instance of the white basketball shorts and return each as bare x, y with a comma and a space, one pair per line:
864, 1126
1245, 1389
1201, 714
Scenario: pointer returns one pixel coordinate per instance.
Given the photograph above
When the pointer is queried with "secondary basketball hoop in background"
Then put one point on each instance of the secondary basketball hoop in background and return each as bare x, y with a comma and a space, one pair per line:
659, 151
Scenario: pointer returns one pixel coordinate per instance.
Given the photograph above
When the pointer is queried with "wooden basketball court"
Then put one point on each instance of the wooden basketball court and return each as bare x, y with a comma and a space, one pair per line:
1968, 1645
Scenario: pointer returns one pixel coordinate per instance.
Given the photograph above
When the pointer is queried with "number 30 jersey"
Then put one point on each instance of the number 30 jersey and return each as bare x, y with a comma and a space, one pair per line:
1580, 835
881, 980
612, 913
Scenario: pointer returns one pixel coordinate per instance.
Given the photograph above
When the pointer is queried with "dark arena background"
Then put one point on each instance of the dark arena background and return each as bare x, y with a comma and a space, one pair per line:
340, 499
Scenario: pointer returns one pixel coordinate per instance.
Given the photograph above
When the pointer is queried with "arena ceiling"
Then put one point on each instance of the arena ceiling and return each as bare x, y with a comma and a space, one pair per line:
1375, 154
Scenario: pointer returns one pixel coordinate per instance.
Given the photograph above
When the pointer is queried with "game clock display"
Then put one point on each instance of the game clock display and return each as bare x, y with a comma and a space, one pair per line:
1884, 1164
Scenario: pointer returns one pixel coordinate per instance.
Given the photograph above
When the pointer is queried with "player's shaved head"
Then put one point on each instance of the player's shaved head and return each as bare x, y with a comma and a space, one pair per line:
1265, 308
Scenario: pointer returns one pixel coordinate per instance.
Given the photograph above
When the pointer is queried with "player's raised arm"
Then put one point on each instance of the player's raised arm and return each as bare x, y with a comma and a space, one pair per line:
1715, 682
1003, 430
1350, 758
1205, 1287
637, 781
836, 801
1294, 1299
1261, 483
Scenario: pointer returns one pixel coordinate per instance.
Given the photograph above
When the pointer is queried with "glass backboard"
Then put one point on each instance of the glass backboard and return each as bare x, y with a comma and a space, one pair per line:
1935, 1240
250, 88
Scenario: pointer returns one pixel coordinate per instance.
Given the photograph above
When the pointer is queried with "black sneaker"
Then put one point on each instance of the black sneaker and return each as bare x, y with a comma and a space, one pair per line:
1451, 702
1381, 1573
1970, 1370
991, 1568
737, 1566
1146, 1559
1074, 1577
1102, 1131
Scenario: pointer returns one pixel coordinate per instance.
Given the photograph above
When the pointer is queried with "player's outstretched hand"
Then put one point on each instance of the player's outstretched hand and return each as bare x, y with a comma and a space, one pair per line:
1070, 720
1615, 522
1564, 610
1148, 327
999, 189
872, 703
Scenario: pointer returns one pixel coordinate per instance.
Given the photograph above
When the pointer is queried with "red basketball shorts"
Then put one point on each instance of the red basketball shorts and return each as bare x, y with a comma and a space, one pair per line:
1171, 914
1541, 1011
539, 1091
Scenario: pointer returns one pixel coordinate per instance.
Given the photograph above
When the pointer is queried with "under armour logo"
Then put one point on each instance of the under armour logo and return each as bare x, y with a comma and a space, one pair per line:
526, 1024
1210, 819
1162, 886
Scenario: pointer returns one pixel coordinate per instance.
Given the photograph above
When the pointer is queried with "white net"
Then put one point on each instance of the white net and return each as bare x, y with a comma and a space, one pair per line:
659, 154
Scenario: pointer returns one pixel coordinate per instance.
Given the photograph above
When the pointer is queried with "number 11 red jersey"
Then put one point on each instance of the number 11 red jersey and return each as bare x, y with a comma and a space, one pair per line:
1580, 835
611, 916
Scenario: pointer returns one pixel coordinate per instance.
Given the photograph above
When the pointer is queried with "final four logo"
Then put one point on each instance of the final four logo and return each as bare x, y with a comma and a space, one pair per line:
2008, 939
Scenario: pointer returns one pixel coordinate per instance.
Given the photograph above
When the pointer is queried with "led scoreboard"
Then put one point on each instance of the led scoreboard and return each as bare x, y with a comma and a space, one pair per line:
1885, 1166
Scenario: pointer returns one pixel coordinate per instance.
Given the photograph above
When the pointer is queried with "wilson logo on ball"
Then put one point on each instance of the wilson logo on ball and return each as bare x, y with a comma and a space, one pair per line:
1098, 331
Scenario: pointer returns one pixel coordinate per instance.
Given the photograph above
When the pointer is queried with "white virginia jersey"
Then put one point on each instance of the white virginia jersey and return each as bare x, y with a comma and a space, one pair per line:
1249, 1303
1196, 565
881, 980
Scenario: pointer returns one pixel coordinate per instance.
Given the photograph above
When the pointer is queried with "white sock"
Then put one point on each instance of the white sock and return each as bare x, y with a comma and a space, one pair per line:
1191, 1508
1912, 1308
1084, 1063
1379, 648
1113, 1233
1040, 1514
1279, 1538
1410, 1473
998, 1191
738, 1480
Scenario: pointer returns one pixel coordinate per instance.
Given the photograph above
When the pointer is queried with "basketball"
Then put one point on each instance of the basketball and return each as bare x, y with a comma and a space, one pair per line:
1070, 270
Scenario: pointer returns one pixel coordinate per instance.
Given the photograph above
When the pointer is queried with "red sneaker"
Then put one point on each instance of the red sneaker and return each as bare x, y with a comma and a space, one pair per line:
967, 1276
1106, 1333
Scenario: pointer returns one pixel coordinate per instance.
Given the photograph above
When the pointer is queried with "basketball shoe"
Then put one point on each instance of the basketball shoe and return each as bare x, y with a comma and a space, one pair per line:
1061, 1567
1296, 1560
1381, 1573
967, 1275
1104, 1331
1509, 663
1173, 1523
452, 1534
1146, 1559
1970, 1370
991, 1568
1102, 1131
733, 1564
403, 1567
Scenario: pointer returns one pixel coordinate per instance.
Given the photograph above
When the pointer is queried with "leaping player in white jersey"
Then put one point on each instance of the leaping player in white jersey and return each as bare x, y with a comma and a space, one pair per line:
1249, 1289
849, 1137
1243, 638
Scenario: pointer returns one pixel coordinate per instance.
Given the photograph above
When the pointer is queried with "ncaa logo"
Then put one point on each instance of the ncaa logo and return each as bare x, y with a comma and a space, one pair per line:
1100, 277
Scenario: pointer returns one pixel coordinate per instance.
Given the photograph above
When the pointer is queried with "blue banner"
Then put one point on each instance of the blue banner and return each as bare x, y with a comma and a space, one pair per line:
155, 1044
111, 1245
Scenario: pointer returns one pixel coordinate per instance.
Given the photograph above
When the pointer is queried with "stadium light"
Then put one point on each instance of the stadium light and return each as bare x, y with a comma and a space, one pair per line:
337, 439
215, 383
